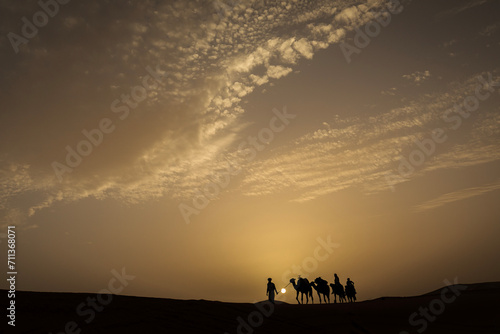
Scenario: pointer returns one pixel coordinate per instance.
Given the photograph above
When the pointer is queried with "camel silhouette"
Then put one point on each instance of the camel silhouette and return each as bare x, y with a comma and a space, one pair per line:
350, 291
304, 287
322, 288
338, 290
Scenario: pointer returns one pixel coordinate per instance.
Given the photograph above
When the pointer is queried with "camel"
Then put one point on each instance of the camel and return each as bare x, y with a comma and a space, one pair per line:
304, 287
322, 288
350, 292
338, 290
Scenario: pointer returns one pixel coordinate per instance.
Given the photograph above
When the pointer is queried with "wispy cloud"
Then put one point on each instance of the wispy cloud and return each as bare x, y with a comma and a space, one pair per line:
175, 138
182, 134
457, 196
391, 91
490, 29
357, 152
418, 77
458, 9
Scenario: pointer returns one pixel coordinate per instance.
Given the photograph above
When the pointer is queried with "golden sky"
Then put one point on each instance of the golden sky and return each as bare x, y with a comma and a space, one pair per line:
207, 145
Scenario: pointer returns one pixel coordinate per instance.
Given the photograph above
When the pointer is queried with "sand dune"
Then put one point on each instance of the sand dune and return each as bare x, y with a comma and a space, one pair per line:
474, 309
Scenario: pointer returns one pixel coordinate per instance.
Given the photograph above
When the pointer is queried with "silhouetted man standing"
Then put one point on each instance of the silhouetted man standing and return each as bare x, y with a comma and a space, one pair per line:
271, 288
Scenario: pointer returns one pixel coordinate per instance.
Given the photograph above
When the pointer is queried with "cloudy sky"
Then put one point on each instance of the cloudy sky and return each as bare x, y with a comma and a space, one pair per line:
207, 145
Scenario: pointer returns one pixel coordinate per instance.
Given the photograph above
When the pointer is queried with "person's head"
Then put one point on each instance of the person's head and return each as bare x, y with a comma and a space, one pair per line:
269, 279
335, 275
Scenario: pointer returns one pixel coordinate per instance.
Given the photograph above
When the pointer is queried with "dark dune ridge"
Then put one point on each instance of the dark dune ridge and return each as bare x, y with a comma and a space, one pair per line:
475, 310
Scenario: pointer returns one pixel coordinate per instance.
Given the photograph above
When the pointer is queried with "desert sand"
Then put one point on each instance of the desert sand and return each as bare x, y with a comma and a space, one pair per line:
475, 310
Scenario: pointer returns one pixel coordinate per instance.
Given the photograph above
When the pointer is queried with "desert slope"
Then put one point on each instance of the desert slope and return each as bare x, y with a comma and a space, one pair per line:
475, 310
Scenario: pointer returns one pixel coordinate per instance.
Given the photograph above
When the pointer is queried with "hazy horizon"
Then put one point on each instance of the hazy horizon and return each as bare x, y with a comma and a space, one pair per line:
204, 146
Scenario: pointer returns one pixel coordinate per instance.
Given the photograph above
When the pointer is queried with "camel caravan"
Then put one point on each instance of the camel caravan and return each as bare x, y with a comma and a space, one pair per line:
304, 287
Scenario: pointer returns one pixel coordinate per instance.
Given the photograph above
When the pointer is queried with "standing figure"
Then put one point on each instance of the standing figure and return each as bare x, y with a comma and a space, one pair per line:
271, 289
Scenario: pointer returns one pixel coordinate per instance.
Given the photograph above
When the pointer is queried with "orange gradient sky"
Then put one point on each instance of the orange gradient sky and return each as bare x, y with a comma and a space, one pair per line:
206, 146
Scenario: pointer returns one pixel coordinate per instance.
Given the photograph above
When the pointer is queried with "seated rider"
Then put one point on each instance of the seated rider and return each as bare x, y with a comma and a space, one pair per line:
350, 286
337, 279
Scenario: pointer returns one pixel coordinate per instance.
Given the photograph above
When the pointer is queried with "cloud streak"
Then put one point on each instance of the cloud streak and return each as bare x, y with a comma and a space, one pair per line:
457, 196
183, 133
356, 152
95, 52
